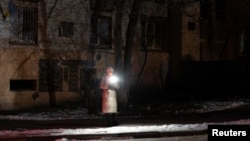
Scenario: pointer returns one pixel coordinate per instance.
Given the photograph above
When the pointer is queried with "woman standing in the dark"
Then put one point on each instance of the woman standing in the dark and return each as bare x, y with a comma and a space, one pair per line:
109, 102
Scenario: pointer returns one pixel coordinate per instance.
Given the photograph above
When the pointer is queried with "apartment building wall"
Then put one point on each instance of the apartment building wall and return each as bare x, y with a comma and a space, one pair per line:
24, 66
191, 32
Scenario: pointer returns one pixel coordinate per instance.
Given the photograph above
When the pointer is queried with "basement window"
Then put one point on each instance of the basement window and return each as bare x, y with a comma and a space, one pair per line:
22, 85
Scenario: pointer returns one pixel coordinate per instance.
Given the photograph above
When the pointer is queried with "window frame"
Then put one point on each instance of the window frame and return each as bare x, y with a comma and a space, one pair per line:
97, 39
155, 23
19, 32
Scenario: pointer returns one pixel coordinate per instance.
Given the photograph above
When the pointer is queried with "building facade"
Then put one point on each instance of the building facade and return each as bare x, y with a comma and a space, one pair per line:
57, 52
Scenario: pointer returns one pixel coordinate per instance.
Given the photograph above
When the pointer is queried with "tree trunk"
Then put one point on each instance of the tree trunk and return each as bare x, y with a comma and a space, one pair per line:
118, 45
47, 53
129, 44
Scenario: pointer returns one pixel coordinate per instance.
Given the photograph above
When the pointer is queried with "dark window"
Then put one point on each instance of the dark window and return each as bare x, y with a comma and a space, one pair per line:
73, 77
244, 43
50, 75
31, 0
67, 71
175, 3
153, 32
22, 85
66, 29
106, 5
205, 9
160, 1
66, 74
101, 32
87, 79
204, 29
191, 25
220, 9
23, 25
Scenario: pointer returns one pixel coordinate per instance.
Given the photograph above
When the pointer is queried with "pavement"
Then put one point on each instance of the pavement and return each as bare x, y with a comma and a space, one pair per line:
151, 117
88, 123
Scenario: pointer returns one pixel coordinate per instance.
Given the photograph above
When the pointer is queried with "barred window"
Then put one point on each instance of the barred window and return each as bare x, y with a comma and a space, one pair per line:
24, 26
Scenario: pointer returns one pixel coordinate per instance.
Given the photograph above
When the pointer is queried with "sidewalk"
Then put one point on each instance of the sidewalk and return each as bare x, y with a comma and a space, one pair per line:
131, 123
86, 129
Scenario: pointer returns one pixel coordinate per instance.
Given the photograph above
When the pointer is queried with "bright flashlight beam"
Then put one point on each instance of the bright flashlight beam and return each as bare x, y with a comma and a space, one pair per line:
113, 79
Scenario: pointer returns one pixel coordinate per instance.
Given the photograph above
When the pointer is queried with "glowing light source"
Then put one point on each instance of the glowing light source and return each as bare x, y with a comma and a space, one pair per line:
113, 79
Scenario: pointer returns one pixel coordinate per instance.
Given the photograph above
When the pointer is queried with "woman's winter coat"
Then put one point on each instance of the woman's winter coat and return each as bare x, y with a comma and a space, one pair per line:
109, 100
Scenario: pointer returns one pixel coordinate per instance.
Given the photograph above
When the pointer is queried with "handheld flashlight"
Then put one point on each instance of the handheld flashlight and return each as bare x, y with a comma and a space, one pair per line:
113, 79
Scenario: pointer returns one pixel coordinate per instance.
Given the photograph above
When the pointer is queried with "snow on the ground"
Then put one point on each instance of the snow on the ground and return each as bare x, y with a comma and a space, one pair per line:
79, 113
106, 130
198, 107
114, 130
